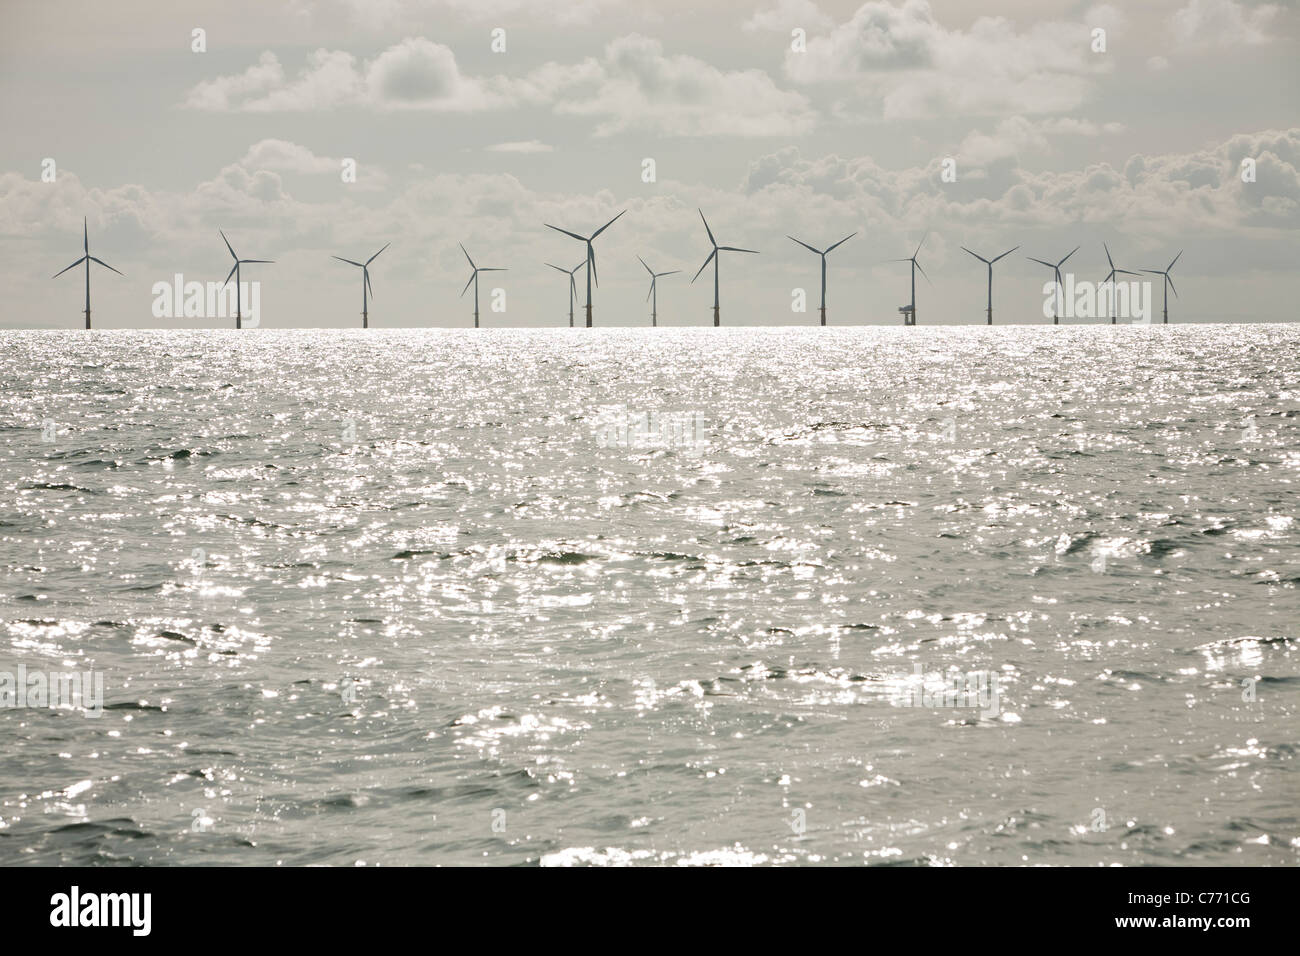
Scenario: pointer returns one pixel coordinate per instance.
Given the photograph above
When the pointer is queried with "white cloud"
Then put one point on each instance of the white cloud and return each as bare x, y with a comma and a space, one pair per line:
633, 85
902, 58
1206, 23
523, 146
786, 15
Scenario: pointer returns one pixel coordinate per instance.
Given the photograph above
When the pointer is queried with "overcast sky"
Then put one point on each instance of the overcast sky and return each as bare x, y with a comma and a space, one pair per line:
1054, 146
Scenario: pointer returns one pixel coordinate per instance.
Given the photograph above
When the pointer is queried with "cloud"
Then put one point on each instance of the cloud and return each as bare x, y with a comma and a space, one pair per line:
415, 74
634, 85
903, 59
1209, 23
525, 146
283, 155
786, 15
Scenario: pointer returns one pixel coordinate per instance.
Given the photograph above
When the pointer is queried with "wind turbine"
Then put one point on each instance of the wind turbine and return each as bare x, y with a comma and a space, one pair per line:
365, 283
715, 259
87, 259
1111, 279
235, 272
591, 256
653, 294
909, 310
1056, 273
1169, 281
989, 263
474, 279
822, 253
573, 285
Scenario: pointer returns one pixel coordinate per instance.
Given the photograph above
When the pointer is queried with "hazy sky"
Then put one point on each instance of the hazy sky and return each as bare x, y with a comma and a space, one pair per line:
1054, 146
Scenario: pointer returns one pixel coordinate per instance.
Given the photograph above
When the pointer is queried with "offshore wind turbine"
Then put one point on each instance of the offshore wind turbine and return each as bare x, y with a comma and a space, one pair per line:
1169, 281
715, 259
235, 272
573, 285
989, 263
365, 283
909, 310
1111, 279
653, 293
87, 259
1060, 286
822, 253
591, 256
474, 279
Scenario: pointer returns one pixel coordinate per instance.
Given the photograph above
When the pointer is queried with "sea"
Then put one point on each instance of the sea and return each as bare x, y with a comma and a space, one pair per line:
974, 596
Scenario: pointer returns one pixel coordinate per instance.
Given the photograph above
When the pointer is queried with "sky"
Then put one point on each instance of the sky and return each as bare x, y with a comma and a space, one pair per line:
979, 124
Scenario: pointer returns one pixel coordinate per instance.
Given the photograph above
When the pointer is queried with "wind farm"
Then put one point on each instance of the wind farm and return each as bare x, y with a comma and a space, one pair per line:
653, 295
239, 323
989, 263
1168, 283
87, 258
1059, 291
366, 289
473, 279
591, 255
822, 253
715, 259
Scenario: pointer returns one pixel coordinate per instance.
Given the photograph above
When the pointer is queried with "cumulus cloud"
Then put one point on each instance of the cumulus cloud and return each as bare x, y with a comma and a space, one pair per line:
634, 84
786, 15
914, 67
415, 74
1207, 23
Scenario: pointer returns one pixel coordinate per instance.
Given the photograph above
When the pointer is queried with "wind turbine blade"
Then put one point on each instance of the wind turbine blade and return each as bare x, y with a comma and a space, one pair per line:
469, 283
647, 268
706, 262
1154, 272
1108, 258
228, 245
471, 261
738, 249
806, 246
1127, 273
706, 227
1050, 265
976, 255
231, 273
74, 265
577, 267
376, 255
673, 273
1170, 280
842, 241
257, 260
591, 264
651, 290
493, 269
1109, 278
365, 274
348, 261
557, 268
920, 244
922, 271
606, 226
1072, 252
1176, 258
106, 265
1007, 253
85, 235
566, 232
